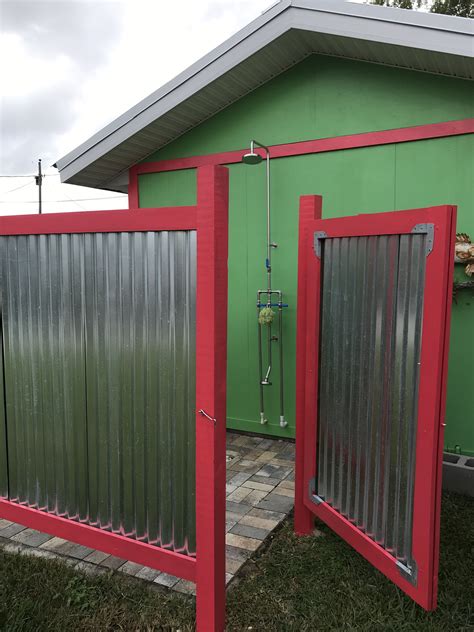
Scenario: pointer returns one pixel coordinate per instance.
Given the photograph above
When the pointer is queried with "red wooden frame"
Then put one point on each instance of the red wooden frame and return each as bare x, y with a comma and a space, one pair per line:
315, 146
431, 398
311, 208
209, 219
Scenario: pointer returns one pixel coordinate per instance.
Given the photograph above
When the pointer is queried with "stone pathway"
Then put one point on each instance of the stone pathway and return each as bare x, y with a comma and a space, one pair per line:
260, 492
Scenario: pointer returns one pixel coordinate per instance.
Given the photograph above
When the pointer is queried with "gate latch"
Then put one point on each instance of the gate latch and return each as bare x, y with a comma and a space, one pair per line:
204, 414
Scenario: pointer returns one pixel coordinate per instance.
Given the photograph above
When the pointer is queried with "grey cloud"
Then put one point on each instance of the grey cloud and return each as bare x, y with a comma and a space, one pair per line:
83, 31
217, 9
79, 29
28, 127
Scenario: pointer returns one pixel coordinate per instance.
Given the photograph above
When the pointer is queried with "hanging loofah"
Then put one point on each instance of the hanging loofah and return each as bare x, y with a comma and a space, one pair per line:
265, 316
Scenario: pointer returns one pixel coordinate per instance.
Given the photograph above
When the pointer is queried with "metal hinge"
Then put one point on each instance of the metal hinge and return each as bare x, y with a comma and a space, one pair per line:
318, 236
428, 230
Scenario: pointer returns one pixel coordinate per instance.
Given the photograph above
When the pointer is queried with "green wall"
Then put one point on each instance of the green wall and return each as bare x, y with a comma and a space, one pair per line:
321, 97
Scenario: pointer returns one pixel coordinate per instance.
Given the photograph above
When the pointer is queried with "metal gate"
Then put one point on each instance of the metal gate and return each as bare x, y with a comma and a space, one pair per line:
374, 294
113, 366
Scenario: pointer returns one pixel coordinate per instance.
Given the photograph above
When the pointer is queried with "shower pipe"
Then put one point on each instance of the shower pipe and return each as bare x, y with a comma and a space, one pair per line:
254, 158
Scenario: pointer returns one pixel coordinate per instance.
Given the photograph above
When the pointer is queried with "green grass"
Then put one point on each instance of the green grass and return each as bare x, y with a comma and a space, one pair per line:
302, 584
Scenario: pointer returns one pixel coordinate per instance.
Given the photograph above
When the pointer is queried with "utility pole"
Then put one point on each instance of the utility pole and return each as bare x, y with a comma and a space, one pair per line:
39, 184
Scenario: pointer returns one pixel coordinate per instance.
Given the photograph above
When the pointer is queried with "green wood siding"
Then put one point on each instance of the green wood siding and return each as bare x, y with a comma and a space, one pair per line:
321, 97
326, 96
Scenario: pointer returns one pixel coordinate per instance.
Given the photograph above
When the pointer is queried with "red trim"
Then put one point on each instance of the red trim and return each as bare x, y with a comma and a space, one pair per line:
320, 145
211, 353
174, 218
431, 398
447, 284
373, 553
391, 223
133, 191
310, 210
119, 545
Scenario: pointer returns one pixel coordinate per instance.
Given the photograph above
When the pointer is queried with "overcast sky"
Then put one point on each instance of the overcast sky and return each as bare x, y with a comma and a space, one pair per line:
68, 67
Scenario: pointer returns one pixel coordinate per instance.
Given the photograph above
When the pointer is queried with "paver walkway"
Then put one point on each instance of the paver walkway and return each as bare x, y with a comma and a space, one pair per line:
260, 492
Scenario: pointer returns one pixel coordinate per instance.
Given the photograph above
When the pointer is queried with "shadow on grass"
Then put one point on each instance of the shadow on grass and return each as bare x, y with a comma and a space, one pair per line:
302, 584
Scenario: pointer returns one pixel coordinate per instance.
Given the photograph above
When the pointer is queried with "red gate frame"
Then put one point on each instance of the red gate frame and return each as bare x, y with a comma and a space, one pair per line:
210, 219
432, 388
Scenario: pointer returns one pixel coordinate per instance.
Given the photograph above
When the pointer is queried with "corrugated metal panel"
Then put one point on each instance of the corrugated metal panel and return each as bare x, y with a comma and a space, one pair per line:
42, 283
3, 428
141, 385
100, 380
372, 305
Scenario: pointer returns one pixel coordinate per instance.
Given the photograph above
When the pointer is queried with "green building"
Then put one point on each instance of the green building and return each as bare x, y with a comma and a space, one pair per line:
370, 107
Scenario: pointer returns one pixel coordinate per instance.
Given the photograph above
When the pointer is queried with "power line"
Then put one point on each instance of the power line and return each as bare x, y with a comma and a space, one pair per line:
45, 175
112, 197
22, 186
75, 202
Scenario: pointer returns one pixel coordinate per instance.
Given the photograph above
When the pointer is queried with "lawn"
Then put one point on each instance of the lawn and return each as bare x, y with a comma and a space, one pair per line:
302, 584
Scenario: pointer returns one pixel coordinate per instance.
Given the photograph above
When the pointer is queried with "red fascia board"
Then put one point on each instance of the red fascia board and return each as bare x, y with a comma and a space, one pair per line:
316, 146
134, 220
113, 543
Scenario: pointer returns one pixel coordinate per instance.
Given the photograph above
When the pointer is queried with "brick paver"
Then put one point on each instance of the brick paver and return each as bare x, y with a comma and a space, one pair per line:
259, 489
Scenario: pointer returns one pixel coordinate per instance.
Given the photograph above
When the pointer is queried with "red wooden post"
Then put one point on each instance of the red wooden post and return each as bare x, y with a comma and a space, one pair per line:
451, 237
211, 358
310, 209
133, 197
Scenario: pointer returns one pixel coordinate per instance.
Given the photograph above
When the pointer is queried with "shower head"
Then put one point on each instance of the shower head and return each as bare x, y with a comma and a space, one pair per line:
251, 158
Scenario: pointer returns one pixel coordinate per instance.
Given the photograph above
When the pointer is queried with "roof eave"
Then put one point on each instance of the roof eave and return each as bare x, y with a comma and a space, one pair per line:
443, 35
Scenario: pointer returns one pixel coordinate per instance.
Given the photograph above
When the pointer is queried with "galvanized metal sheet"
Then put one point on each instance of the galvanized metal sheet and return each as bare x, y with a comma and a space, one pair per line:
3, 427
42, 284
371, 318
141, 385
100, 379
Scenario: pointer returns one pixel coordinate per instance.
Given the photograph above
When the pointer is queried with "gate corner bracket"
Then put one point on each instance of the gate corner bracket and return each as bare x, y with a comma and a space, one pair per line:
428, 230
318, 236
409, 571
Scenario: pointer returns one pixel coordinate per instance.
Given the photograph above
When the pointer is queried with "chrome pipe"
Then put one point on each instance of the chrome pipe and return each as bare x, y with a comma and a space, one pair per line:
266, 380
269, 241
263, 420
253, 160
283, 422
